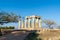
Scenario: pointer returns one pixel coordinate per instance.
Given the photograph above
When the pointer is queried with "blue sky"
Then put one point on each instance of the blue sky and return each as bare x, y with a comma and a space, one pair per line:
47, 9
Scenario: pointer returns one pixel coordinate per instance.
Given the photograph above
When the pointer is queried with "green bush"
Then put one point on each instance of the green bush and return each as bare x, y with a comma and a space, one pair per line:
10, 27
33, 36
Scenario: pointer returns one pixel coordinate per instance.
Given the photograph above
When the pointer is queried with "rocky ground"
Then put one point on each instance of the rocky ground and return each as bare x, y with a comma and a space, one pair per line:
16, 35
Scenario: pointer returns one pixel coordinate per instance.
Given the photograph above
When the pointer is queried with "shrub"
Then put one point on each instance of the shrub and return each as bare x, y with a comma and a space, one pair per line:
10, 27
33, 36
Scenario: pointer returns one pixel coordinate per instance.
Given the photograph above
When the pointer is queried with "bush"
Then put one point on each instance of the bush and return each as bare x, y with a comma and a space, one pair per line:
33, 36
10, 27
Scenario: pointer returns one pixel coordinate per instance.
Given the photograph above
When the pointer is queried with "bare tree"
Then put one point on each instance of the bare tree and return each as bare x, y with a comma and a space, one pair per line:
49, 23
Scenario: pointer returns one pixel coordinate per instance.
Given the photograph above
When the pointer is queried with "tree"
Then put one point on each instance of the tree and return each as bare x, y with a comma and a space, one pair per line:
49, 23
5, 17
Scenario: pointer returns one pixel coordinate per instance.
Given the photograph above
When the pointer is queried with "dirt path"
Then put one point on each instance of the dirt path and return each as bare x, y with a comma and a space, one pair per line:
17, 35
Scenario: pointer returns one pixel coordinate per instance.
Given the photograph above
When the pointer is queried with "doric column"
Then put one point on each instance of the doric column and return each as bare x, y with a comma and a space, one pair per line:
36, 24
33, 23
27, 23
29, 20
40, 23
22, 24
19, 25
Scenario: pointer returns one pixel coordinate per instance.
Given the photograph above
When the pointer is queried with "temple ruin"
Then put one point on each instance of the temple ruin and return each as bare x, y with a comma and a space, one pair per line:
30, 23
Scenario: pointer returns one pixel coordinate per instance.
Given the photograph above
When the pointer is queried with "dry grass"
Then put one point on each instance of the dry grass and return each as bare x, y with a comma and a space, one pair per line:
50, 34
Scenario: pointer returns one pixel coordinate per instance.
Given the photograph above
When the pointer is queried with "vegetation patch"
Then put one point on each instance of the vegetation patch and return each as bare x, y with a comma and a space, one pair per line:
33, 36
10, 27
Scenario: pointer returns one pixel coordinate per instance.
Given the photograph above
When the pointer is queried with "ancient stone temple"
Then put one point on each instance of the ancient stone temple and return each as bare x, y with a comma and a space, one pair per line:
31, 23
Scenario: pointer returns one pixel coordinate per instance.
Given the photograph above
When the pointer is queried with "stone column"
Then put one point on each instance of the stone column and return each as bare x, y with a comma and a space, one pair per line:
36, 24
19, 25
40, 23
26, 22
29, 23
33, 22
22, 24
